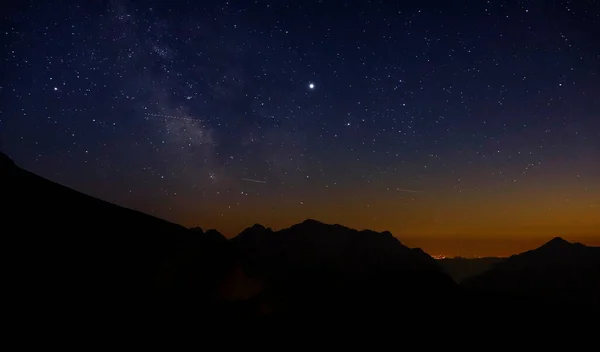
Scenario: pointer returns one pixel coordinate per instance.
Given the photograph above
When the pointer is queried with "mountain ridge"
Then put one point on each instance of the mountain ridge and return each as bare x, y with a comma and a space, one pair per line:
128, 261
556, 271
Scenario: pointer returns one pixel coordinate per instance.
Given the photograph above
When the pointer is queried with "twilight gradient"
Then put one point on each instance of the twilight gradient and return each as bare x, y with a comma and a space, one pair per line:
455, 125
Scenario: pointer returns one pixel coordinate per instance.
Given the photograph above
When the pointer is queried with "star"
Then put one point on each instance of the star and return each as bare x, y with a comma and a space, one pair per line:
146, 100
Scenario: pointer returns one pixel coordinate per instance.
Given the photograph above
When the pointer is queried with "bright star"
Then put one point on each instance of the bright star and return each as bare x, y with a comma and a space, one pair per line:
311, 85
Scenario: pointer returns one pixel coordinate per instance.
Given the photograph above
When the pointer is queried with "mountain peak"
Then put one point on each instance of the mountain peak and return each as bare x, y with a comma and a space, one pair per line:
253, 231
559, 240
311, 225
214, 235
258, 227
387, 233
311, 222
556, 242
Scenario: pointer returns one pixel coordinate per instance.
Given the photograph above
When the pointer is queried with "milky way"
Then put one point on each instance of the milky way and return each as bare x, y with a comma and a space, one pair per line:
427, 119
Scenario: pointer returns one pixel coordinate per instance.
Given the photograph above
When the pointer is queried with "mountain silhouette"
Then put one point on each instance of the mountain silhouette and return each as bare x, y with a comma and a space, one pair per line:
315, 266
86, 260
67, 250
557, 271
89, 250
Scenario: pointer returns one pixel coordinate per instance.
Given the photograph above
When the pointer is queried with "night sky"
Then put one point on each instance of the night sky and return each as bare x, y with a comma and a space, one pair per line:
453, 124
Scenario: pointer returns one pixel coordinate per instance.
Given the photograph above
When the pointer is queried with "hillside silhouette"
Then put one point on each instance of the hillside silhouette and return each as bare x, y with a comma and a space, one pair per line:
68, 250
313, 266
81, 258
557, 272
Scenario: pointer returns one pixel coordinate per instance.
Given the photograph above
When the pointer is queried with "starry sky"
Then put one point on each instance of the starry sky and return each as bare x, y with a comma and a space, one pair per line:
463, 127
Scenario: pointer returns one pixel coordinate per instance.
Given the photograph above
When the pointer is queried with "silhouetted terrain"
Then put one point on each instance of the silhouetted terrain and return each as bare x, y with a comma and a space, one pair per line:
72, 253
462, 268
558, 271
314, 267
83, 259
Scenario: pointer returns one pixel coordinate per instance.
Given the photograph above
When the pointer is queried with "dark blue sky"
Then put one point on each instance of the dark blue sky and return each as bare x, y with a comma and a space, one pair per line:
176, 108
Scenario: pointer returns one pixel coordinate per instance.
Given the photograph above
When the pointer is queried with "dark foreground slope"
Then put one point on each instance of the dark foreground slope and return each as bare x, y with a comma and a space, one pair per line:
76, 254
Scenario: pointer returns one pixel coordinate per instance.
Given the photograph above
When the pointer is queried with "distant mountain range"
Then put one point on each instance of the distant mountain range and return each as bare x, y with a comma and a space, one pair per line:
557, 271
75, 256
332, 266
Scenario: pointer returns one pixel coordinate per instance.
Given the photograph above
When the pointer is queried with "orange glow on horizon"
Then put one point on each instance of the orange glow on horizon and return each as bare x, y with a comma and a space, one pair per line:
479, 220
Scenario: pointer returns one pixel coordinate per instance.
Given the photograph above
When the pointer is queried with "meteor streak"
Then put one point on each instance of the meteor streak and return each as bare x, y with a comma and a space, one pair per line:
251, 180
407, 190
